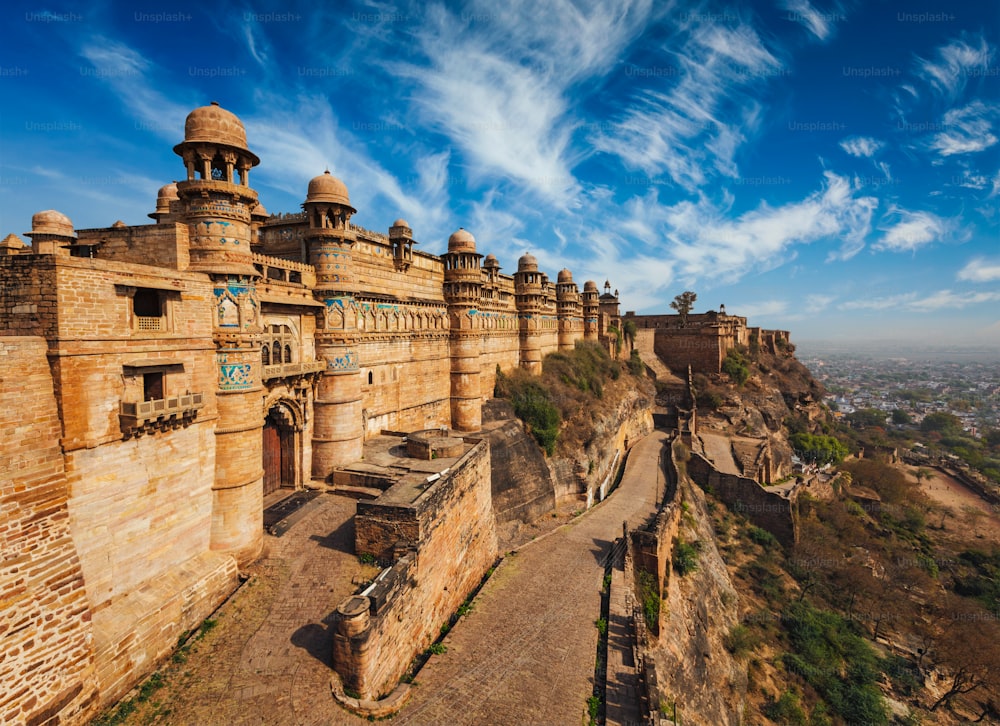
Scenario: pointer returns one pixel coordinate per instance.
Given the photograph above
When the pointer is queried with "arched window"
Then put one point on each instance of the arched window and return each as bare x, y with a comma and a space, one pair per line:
288, 354
371, 378
265, 355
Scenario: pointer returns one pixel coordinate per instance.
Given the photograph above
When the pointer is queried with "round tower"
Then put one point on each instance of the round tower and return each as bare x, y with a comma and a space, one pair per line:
51, 233
569, 309
529, 297
591, 310
216, 197
216, 202
463, 289
338, 428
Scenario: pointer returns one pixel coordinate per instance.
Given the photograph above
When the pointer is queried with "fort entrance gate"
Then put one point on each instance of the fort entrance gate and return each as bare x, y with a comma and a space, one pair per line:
279, 450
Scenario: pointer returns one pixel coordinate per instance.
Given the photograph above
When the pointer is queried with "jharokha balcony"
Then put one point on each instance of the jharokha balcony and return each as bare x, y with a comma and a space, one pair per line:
288, 370
139, 417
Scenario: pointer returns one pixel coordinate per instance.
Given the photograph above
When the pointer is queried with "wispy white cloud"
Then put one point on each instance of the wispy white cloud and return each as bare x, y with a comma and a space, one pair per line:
953, 64
818, 23
132, 78
912, 302
861, 146
496, 83
906, 231
981, 269
764, 309
817, 303
693, 130
967, 130
704, 242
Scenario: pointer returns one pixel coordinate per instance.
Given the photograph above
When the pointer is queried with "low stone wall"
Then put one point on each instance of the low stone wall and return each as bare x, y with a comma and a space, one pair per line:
766, 509
450, 529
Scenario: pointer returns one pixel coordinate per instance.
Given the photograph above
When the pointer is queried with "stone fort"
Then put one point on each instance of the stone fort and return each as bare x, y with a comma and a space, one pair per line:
162, 382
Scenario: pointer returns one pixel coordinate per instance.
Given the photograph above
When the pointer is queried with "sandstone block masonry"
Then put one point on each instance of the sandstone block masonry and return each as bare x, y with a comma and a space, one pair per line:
441, 538
47, 657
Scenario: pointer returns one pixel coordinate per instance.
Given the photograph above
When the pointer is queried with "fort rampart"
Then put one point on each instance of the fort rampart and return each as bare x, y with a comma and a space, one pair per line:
442, 535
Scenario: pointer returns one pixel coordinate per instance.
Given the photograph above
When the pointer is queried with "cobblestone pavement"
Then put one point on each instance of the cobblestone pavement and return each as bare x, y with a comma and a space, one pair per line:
524, 655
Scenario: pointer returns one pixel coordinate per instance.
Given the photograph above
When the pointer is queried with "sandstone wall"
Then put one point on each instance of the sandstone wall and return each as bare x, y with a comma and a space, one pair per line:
521, 482
47, 657
410, 386
141, 513
377, 635
163, 245
699, 348
764, 508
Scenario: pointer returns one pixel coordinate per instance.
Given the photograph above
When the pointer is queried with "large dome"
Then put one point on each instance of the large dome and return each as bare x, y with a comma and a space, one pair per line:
328, 188
527, 263
215, 124
590, 286
52, 222
564, 276
462, 240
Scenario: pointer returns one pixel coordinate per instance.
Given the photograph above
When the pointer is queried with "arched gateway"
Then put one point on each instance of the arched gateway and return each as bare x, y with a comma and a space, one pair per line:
280, 460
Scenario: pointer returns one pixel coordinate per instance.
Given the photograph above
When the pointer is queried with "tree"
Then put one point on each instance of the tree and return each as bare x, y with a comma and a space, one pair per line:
901, 417
683, 304
628, 330
946, 423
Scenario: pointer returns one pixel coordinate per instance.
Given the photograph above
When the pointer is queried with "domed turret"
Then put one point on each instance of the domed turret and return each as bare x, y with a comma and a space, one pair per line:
51, 233
590, 286
51, 222
462, 241
213, 124
328, 188
166, 195
564, 276
527, 263
491, 262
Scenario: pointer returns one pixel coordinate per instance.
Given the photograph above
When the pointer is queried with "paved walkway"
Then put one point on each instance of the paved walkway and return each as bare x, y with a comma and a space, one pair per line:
526, 653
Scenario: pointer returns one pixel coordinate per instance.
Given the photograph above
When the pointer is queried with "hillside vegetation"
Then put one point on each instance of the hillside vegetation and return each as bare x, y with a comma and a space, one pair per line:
559, 407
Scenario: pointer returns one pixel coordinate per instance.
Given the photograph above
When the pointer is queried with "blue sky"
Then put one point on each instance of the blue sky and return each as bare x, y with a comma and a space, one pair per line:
831, 168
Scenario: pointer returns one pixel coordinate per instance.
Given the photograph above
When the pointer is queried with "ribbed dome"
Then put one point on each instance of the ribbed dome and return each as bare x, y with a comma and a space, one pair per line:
215, 124
52, 222
527, 263
328, 188
462, 241
491, 261
564, 276
590, 286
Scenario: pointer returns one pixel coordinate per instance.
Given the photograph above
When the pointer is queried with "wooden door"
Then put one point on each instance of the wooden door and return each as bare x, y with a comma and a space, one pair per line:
272, 456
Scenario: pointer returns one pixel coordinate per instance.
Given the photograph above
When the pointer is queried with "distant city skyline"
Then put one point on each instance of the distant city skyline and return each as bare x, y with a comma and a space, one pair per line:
829, 168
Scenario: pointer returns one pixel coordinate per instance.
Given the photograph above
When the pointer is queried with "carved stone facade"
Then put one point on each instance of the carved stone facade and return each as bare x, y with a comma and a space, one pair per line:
201, 363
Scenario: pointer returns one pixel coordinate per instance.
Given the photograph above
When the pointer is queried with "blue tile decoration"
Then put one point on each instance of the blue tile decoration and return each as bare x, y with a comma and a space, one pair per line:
235, 376
348, 361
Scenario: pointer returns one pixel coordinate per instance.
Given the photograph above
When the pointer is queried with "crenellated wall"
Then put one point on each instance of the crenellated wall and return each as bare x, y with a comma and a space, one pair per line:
448, 532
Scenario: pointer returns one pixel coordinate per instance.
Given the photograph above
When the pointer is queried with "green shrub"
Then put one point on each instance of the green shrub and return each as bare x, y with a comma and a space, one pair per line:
686, 556
786, 710
735, 366
761, 536
740, 641
649, 595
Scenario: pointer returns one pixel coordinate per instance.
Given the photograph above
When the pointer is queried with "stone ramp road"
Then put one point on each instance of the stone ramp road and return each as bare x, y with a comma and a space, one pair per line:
525, 655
